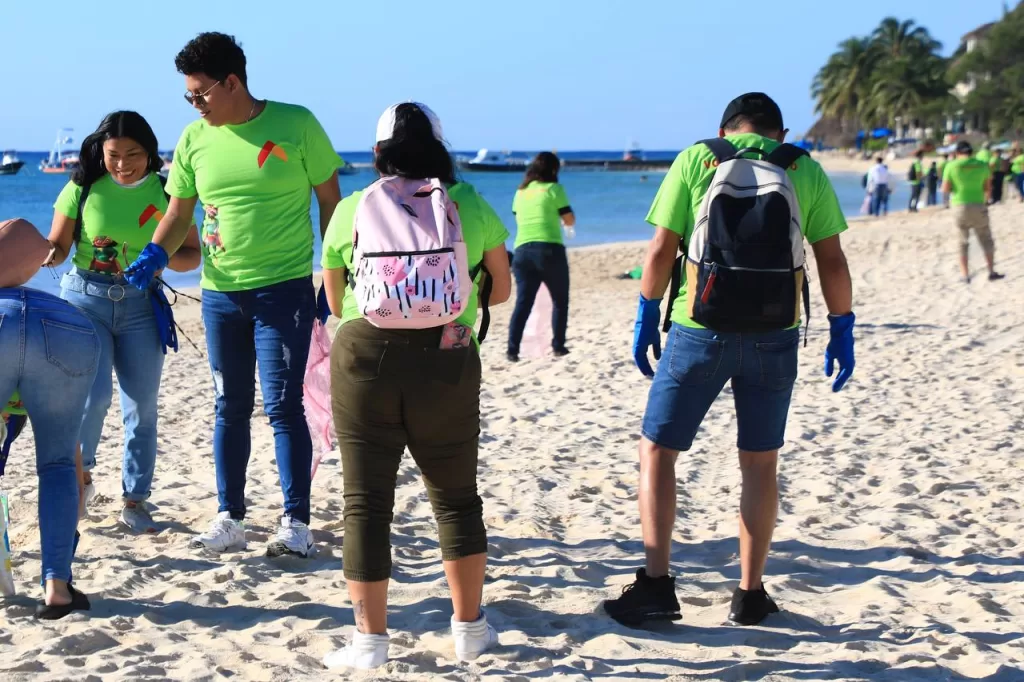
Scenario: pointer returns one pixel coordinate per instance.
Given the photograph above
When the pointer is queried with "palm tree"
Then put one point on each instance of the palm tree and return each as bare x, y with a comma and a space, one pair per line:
840, 86
896, 39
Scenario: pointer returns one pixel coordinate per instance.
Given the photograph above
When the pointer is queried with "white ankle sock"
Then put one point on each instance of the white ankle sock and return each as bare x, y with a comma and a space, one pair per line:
362, 652
473, 638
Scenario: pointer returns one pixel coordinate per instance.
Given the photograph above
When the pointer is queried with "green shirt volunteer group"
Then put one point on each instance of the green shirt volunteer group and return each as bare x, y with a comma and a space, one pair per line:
253, 180
683, 189
967, 177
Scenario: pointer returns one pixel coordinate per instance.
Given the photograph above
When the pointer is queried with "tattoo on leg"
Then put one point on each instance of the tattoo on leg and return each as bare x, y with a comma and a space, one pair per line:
360, 616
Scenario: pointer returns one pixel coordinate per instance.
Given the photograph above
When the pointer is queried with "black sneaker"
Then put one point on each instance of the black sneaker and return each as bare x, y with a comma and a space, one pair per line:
750, 607
993, 276
512, 357
646, 599
561, 352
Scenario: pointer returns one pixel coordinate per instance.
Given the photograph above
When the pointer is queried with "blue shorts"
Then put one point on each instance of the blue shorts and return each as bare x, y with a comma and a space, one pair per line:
693, 370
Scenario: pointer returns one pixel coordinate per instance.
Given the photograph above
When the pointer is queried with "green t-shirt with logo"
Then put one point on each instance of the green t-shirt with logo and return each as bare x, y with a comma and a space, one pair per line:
255, 182
679, 199
538, 210
967, 177
481, 228
14, 406
117, 222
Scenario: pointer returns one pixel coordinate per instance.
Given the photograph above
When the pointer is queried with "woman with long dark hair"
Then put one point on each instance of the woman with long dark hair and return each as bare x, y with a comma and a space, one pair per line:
419, 388
105, 215
542, 209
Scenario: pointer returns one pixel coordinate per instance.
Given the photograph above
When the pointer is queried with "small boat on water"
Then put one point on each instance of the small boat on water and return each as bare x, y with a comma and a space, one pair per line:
347, 168
492, 162
60, 160
10, 164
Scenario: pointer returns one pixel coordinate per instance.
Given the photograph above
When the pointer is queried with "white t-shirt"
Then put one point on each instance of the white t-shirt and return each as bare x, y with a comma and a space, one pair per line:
878, 175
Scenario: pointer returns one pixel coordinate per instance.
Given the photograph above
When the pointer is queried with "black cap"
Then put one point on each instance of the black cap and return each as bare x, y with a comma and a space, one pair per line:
756, 105
964, 147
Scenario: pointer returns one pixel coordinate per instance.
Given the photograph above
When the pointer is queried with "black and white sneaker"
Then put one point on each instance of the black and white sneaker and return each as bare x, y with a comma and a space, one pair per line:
294, 538
750, 607
647, 599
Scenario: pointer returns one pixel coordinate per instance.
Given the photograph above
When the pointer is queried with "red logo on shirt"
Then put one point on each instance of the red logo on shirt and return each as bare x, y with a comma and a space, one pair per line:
268, 149
151, 211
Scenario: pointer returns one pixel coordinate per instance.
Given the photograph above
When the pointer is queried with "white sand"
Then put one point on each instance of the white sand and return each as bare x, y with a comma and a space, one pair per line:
898, 554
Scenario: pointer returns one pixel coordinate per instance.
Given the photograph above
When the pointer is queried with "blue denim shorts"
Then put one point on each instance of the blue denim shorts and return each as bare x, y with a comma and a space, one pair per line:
694, 369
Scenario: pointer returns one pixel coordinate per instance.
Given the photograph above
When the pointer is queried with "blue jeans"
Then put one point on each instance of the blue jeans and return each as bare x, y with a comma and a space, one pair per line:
50, 352
694, 369
270, 327
129, 345
534, 264
880, 200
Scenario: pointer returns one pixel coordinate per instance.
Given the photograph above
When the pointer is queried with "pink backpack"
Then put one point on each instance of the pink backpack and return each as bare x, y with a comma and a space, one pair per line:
409, 259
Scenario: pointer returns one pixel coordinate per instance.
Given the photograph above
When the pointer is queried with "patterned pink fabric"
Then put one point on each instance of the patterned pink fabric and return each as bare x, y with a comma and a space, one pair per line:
316, 394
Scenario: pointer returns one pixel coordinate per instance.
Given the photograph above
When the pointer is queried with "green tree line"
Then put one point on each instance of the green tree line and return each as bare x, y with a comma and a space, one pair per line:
898, 73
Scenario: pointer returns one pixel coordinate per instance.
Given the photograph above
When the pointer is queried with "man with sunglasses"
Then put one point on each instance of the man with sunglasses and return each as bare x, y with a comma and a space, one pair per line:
252, 164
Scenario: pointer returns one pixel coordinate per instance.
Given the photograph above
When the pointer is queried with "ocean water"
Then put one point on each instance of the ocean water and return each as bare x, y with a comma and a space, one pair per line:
610, 206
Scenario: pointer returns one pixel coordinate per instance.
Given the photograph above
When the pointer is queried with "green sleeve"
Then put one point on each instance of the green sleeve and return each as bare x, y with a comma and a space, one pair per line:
181, 180
515, 201
495, 233
824, 218
671, 208
318, 155
337, 248
67, 201
561, 198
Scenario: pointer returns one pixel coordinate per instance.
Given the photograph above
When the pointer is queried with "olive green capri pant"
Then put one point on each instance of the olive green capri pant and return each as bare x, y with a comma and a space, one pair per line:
396, 389
974, 217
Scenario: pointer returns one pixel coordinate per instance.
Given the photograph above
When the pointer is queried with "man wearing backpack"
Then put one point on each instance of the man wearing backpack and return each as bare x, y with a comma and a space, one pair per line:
740, 220
916, 177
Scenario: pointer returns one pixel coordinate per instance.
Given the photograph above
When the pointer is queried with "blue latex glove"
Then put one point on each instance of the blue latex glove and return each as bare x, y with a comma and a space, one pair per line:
840, 349
164, 319
323, 310
152, 260
647, 333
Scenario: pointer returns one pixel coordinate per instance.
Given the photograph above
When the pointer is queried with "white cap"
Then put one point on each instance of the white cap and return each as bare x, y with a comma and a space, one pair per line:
386, 123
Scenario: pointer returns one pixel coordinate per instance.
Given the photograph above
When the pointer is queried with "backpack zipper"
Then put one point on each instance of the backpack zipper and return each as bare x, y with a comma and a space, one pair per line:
706, 294
378, 254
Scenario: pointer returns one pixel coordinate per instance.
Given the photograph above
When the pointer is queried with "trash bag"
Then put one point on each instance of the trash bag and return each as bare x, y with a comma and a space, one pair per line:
316, 395
537, 334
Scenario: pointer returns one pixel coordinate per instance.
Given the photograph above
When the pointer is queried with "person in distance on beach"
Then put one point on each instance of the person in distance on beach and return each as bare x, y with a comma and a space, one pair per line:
542, 210
254, 165
736, 319
403, 380
968, 183
105, 215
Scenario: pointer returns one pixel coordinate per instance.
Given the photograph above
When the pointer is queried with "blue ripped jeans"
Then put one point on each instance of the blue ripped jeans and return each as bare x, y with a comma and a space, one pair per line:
270, 328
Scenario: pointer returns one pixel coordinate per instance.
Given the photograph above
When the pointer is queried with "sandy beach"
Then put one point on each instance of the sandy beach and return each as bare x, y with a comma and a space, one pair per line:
898, 554
840, 161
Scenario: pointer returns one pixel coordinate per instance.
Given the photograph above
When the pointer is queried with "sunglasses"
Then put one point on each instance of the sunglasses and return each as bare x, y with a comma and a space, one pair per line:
199, 99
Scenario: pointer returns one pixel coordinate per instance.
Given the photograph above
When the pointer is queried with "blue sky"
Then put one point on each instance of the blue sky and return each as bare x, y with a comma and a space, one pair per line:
523, 74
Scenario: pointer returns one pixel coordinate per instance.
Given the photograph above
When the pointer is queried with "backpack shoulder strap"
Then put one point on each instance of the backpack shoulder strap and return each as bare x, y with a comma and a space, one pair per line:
720, 147
785, 155
78, 217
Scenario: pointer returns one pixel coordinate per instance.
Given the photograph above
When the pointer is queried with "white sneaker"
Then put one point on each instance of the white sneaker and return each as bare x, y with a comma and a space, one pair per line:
293, 537
224, 535
474, 638
362, 652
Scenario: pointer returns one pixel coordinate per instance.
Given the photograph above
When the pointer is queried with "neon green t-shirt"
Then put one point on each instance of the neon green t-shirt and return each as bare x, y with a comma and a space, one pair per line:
682, 191
984, 155
255, 182
481, 228
117, 221
1017, 165
14, 406
967, 178
919, 177
538, 210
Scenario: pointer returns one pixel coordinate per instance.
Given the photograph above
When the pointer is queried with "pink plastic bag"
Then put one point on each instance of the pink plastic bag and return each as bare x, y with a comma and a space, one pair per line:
537, 335
316, 394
